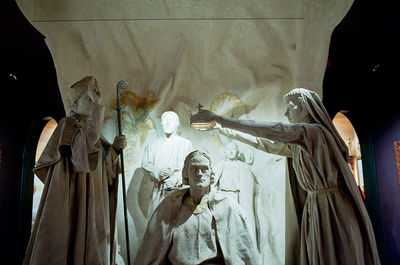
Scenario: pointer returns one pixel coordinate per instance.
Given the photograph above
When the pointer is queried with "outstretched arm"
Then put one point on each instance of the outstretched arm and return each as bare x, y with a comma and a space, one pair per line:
292, 133
259, 143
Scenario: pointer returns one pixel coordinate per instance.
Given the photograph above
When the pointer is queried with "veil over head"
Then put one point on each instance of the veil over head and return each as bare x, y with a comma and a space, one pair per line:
318, 112
313, 104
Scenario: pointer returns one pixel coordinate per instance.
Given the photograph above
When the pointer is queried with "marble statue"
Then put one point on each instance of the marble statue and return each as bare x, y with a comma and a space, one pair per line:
163, 160
197, 225
248, 158
80, 171
235, 179
265, 201
334, 226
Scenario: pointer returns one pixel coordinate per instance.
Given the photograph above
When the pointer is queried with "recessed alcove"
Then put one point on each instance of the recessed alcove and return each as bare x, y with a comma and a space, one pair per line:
38, 185
349, 135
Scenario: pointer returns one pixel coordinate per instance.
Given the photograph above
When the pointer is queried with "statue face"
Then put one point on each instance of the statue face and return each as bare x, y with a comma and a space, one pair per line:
199, 172
249, 157
82, 105
231, 151
169, 123
295, 110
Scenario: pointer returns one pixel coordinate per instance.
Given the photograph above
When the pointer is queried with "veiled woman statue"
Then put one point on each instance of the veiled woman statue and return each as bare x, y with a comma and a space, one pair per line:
334, 225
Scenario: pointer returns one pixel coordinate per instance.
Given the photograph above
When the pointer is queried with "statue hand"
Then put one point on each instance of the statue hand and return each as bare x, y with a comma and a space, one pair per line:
94, 92
119, 142
165, 173
216, 127
204, 116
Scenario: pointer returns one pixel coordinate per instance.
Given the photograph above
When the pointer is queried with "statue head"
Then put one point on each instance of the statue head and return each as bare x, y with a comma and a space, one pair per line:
249, 156
296, 109
169, 122
231, 151
197, 171
80, 101
313, 110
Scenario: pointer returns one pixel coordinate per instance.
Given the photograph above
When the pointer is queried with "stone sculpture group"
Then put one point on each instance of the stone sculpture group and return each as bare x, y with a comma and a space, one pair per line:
199, 213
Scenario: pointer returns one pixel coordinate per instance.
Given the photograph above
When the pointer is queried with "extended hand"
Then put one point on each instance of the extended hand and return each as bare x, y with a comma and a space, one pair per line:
216, 127
119, 142
204, 116
94, 92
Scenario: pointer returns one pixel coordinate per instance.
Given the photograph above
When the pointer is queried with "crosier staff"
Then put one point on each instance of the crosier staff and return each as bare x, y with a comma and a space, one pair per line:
122, 85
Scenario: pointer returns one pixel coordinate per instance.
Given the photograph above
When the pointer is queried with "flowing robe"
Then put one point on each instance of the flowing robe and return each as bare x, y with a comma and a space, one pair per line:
334, 225
232, 231
161, 154
75, 222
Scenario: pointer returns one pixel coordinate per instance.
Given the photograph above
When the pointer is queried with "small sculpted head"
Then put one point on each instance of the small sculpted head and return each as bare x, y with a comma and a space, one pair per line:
296, 110
231, 151
197, 171
169, 122
249, 157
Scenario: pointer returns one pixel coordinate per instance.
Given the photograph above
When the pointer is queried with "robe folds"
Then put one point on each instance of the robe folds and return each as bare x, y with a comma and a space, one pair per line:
236, 179
232, 231
334, 227
164, 152
75, 223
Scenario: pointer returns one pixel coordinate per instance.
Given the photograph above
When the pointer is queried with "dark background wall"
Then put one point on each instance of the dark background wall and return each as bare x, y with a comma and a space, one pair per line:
28, 93
360, 78
389, 190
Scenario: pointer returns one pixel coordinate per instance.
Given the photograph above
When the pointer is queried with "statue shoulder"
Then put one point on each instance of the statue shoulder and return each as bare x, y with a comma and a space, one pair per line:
67, 128
175, 197
178, 193
313, 127
154, 143
184, 140
220, 197
223, 203
169, 208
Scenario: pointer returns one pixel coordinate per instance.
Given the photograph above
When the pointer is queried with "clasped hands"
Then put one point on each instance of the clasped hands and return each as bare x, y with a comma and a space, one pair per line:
94, 92
163, 174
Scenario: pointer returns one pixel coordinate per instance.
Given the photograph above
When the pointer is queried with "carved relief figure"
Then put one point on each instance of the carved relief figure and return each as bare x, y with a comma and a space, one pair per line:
197, 225
75, 223
235, 179
163, 160
334, 227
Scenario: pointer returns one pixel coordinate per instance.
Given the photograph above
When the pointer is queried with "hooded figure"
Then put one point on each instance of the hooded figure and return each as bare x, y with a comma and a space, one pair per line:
326, 220
75, 222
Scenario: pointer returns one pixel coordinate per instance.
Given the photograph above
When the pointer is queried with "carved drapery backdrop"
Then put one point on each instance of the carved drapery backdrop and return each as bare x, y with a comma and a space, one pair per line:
235, 57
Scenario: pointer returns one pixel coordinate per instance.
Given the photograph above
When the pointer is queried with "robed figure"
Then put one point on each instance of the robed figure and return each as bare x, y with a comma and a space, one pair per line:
75, 222
328, 222
163, 160
198, 225
235, 179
